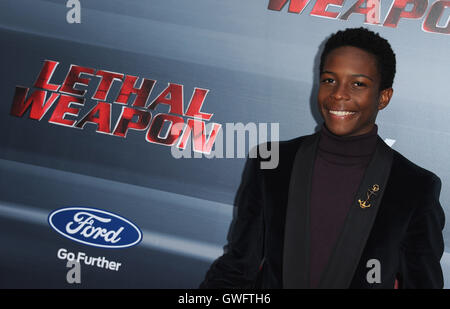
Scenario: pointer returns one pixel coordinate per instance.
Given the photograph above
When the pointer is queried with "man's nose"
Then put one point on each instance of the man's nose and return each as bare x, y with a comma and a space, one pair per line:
340, 92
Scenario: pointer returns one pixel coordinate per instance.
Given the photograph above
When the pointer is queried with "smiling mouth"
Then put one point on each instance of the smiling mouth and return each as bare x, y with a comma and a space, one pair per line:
341, 113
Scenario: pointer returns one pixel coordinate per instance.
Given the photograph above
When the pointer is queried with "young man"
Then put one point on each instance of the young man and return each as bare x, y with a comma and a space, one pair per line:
342, 209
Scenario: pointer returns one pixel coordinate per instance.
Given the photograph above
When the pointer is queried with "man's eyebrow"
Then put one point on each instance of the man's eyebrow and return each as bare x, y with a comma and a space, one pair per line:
362, 75
355, 75
329, 72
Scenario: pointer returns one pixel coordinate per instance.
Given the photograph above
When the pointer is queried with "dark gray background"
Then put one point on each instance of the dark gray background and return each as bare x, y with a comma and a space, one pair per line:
259, 67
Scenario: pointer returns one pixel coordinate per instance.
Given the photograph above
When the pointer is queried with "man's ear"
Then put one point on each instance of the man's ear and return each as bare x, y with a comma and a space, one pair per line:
385, 97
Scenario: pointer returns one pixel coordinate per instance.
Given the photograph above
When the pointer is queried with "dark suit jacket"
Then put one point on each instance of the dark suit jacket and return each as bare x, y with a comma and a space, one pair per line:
268, 243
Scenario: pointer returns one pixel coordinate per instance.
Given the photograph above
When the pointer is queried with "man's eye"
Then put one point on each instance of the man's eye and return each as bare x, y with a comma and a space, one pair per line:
359, 84
327, 80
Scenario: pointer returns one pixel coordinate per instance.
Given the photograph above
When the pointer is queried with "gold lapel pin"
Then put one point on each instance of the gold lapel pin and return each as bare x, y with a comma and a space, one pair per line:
370, 192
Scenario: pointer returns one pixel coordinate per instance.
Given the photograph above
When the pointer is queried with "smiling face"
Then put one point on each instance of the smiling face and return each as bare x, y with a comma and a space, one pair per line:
349, 97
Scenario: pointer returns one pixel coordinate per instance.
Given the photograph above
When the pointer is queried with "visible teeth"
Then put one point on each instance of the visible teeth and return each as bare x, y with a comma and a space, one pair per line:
341, 113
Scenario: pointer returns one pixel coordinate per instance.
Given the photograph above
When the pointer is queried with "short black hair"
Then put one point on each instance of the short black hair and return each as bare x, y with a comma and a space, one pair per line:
370, 42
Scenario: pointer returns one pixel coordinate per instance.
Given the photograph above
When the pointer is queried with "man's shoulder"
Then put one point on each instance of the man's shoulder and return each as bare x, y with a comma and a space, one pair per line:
280, 153
411, 171
286, 147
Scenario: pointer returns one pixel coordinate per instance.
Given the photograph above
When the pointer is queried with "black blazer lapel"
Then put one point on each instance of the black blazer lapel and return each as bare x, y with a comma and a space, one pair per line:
358, 224
296, 233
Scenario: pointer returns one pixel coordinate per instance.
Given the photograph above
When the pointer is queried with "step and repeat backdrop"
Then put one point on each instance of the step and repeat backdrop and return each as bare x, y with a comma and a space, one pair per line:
124, 125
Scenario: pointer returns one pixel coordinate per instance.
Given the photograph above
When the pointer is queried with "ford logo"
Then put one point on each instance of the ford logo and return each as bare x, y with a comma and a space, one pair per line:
95, 227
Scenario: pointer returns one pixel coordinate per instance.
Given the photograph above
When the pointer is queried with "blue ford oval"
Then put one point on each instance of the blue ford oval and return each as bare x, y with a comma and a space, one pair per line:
95, 227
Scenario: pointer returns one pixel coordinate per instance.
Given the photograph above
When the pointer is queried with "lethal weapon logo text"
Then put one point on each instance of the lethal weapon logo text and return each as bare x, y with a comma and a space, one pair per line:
435, 17
170, 129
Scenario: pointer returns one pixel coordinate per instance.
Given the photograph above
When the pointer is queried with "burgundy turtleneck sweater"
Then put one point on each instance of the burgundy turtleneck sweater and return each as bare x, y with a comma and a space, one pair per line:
338, 170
